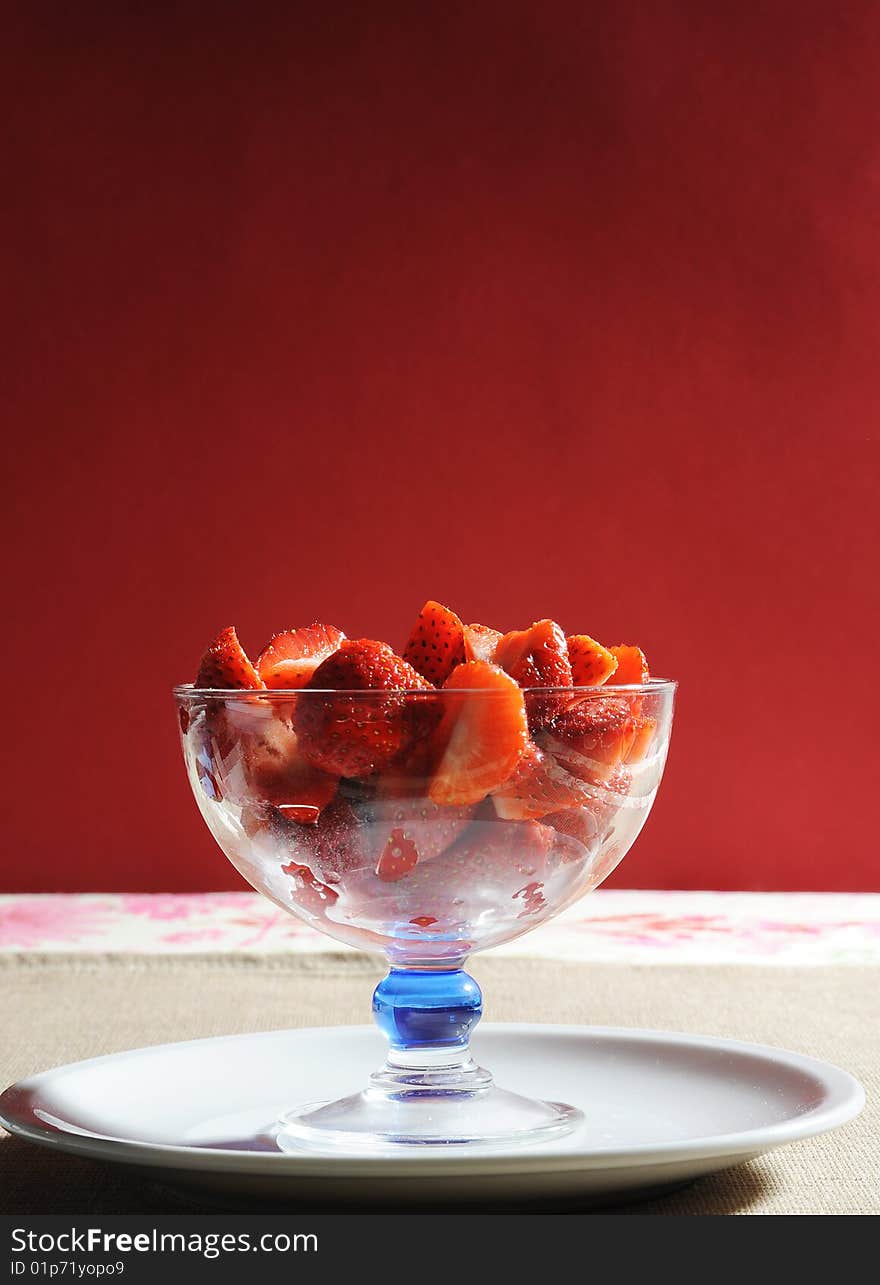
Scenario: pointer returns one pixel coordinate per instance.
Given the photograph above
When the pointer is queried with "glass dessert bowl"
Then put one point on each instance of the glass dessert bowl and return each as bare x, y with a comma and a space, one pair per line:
470, 817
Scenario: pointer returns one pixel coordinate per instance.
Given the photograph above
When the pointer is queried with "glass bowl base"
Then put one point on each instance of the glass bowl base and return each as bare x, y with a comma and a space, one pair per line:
389, 1116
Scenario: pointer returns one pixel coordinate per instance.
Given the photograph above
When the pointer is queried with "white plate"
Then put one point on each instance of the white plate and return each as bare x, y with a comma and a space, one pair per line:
661, 1109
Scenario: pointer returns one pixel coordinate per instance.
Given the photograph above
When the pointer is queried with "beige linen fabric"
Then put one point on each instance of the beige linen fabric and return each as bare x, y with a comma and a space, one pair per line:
59, 1008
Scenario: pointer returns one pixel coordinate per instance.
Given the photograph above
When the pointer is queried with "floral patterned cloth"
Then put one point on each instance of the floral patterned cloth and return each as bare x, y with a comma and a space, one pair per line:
611, 925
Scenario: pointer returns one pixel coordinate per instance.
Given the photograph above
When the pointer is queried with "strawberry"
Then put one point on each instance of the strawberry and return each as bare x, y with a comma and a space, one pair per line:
585, 835
292, 784
619, 780
538, 786
483, 737
330, 848
436, 644
537, 657
225, 664
642, 738
500, 851
584, 825
632, 667
590, 736
498, 858
289, 659
350, 736
591, 663
480, 642
428, 828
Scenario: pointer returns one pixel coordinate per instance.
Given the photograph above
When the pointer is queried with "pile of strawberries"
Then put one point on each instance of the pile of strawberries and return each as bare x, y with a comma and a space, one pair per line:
529, 747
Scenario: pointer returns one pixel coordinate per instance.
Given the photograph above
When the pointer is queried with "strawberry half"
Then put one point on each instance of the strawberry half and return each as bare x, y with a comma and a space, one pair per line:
348, 735
481, 642
590, 736
427, 827
436, 644
502, 858
297, 788
484, 737
584, 825
289, 659
538, 786
537, 657
632, 667
643, 736
225, 665
591, 663
330, 848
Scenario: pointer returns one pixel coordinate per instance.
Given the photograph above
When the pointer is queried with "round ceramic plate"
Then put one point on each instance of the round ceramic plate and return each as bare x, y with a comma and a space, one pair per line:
660, 1109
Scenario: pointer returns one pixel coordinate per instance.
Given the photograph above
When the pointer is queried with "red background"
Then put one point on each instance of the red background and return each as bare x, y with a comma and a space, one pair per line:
566, 309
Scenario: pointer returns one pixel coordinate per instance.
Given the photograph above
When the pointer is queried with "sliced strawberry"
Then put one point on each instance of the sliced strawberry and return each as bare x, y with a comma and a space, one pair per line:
429, 828
619, 780
590, 736
350, 735
583, 824
495, 862
436, 644
632, 667
410, 772
484, 733
225, 665
645, 729
498, 851
398, 857
289, 659
331, 847
293, 785
538, 786
255, 757
481, 642
591, 663
537, 657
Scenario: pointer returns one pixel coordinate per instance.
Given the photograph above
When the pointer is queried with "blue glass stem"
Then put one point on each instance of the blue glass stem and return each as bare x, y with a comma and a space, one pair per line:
423, 1011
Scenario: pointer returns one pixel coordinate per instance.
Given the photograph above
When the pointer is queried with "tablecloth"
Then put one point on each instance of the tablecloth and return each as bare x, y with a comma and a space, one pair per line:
80, 976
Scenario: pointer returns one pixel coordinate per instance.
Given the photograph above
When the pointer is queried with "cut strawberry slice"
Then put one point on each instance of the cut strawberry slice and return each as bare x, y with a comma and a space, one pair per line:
645, 729
500, 852
483, 737
502, 859
632, 667
436, 644
289, 659
349, 736
583, 824
431, 829
331, 847
538, 785
481, 642
225, 665
299, 790
537, 657
591, 663
590, 736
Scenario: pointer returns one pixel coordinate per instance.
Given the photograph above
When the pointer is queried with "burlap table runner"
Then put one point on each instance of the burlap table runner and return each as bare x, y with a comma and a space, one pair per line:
58, 1008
